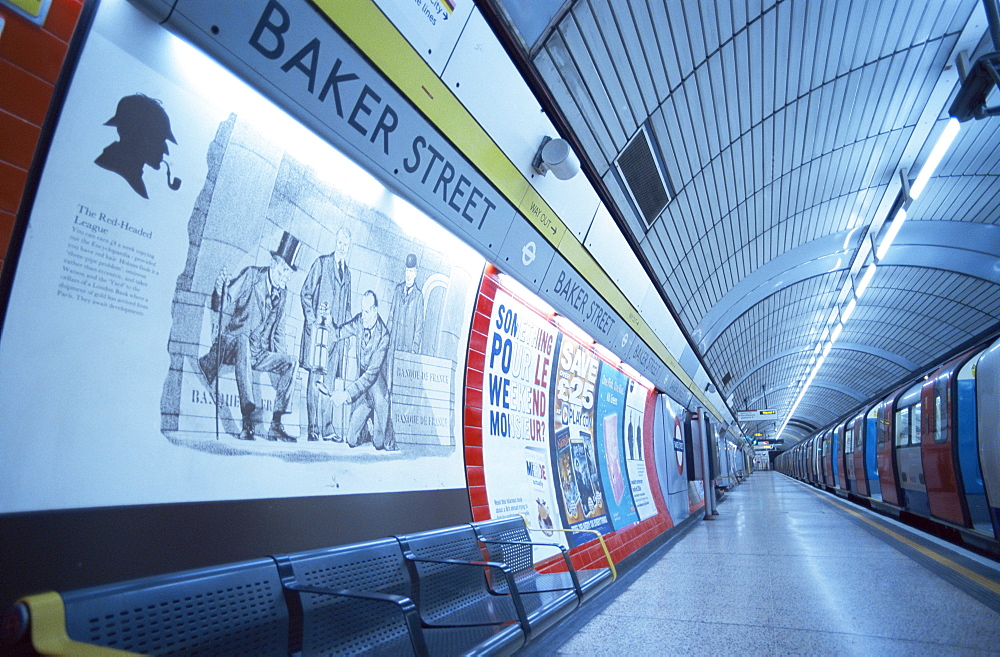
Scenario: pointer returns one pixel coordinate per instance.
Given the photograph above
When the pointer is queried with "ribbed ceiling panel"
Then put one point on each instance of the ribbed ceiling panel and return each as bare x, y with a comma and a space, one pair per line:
777, 141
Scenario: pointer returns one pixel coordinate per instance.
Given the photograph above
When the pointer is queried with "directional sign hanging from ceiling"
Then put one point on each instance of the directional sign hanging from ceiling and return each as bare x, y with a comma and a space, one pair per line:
756, 416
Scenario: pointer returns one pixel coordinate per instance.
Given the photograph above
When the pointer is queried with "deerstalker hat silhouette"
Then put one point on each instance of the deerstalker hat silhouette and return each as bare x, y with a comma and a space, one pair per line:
141, 113
288, 248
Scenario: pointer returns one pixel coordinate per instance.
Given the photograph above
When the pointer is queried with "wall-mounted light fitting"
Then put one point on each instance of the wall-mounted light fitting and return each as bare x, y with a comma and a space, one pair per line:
555, 155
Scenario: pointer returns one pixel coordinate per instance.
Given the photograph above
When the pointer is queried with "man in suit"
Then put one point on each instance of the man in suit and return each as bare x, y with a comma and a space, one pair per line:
370, 392
326, 292
251, 336
406, 317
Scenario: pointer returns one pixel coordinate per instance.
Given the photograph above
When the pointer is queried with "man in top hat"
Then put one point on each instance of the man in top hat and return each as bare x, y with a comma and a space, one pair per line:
251, 335
143, 133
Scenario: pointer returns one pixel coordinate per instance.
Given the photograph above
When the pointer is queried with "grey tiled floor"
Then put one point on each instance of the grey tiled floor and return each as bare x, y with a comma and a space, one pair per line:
782, 572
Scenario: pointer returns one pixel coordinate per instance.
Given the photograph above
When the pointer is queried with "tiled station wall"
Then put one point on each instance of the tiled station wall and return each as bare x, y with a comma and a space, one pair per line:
31, 58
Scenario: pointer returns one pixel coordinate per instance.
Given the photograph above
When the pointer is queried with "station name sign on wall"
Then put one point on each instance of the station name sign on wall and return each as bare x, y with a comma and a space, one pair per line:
290, 51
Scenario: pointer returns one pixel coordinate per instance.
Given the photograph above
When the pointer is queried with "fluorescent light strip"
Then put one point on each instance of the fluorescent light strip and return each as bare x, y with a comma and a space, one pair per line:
848, 311
934, 159
529, 297
574, 331
866, 278
944, 142
894, 227
836, 333
607, 354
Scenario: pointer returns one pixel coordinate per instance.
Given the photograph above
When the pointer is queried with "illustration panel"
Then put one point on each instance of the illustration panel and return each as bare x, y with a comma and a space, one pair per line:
215, 304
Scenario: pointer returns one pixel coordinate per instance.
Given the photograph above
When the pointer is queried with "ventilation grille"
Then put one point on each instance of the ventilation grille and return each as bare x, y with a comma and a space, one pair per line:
642, 177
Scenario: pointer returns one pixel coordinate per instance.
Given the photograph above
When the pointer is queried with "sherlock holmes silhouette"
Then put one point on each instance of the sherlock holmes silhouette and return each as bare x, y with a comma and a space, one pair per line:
143, 132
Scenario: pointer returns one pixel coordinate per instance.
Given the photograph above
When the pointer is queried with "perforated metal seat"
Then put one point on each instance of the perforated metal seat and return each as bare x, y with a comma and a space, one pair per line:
508, 540
356, 601
455, 586
235, 609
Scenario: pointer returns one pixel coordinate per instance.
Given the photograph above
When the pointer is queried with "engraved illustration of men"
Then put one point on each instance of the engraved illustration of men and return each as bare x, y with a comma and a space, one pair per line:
370, 392
327, 289
253, 337
143, 132
406, 317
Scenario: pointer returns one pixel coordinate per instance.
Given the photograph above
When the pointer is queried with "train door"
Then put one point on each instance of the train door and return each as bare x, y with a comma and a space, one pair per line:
939, 447
888, 472
841, 454
871, 461
816, 454
968, 446
908, 435
988, 421
856, 455
829, 474
835, 457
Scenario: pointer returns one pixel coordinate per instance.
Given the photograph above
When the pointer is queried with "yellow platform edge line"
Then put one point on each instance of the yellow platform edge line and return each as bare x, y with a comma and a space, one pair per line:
944, 561
375, 35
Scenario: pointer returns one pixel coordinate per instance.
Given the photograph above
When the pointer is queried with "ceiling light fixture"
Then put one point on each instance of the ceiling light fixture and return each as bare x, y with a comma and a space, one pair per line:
944, 142
866, 278
848, 311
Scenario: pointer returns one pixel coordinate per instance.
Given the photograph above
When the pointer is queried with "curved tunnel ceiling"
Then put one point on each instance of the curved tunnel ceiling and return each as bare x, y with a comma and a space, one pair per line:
783, 150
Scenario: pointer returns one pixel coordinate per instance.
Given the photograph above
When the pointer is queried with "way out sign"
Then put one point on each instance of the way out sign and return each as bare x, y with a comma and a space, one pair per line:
756, 416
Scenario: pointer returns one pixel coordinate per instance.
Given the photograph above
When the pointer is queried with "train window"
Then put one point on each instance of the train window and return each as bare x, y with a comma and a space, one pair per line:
902, 427
941, 399
849, 441
915, 425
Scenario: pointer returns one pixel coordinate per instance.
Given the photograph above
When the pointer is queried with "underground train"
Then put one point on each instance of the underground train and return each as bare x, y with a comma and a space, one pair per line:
928, 453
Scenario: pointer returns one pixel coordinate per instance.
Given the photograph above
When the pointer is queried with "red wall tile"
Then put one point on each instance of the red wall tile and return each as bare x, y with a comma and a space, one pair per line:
38, 52
31, 58
11, 185
19, 140
6, 228
24, 94
62, 18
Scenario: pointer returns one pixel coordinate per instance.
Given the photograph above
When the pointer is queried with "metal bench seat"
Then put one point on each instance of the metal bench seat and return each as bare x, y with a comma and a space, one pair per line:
456, 586
356, 600
235, 609
508, 540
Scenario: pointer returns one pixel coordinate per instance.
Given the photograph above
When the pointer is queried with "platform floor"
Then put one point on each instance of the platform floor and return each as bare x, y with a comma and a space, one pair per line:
788, 570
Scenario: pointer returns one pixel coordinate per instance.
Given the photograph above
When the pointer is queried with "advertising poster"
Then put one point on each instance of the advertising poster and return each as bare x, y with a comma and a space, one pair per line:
516, 381
214, 304
574, 453
636, 457
671, 456
611, 395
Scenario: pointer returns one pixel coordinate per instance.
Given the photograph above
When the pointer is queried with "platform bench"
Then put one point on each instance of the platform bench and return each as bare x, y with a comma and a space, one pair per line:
356, 599
235, 609
465, 590
507, 540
